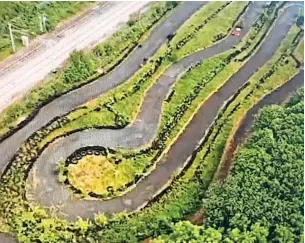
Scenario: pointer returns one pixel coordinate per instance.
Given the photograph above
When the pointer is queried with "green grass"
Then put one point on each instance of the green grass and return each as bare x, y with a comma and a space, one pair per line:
25, 16
93, 63
220, 25
32, 223
186, 193
96, 173
299, 51
138, 161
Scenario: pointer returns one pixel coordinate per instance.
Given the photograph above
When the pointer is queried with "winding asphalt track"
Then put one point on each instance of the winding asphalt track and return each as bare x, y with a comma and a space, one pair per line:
180, 150
49, 192
93, 90
78, 97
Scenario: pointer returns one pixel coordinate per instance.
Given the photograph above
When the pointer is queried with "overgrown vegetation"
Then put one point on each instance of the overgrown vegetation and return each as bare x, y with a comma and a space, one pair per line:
184, 195
25, 16
268, 171
189, 93
83, 67
97, 174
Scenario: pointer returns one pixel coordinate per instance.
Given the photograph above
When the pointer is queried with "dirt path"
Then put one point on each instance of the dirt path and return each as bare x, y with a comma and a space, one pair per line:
6, 238
53, 51
178, 153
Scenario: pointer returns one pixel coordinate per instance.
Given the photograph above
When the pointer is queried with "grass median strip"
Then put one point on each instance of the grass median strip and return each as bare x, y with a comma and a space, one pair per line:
14, 176
186, 192
84, 66
32, 223
188, 95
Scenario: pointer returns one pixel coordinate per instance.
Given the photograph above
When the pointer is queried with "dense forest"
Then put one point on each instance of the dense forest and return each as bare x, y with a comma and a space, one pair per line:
262, 200
25, 19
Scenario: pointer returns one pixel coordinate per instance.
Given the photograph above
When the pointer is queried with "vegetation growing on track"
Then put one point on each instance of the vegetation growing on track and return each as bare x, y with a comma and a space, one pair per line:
186, 192
83, 67
25, 16
31, 223
188, 94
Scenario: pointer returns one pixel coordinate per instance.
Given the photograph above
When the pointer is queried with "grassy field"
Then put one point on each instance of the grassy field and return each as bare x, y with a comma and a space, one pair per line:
96, 174
25, 16
299, 51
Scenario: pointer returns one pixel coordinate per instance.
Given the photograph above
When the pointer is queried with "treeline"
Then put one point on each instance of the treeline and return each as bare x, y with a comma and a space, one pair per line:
262, 200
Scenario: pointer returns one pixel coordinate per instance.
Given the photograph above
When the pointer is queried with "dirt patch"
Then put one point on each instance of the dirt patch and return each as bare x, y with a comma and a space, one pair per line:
198, 218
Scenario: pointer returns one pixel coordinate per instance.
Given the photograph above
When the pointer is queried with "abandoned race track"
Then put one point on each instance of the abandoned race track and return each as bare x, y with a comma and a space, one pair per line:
49, 192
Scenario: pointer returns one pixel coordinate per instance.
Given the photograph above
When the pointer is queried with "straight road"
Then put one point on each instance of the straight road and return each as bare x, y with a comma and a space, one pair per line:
25, 74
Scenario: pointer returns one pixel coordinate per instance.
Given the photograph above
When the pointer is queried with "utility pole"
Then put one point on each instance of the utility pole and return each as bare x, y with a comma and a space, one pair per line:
43, 23
40, 23
12, 37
